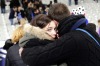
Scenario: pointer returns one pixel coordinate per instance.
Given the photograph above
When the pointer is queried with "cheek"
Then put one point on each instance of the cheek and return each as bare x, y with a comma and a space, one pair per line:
48, 32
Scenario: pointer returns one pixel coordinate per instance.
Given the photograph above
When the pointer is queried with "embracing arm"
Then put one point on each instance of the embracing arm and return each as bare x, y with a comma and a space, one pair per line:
50, 53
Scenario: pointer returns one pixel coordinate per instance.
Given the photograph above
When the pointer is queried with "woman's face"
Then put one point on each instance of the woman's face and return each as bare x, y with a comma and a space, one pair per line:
51, 29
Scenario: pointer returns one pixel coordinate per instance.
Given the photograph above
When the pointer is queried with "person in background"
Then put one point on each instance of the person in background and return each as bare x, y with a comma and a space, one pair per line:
12, 57
50, 4
42, 7
11, 5
37, 4
76, 2
29, 12
92, 26
55, 1
3, 5
99, 27
16, 3
96, 1
8, 44
25, 4
46, 10
20, 14
36, 12
12, 15
69, 2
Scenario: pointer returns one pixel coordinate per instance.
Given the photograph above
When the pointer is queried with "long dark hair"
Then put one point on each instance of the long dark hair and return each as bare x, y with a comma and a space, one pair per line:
40, 20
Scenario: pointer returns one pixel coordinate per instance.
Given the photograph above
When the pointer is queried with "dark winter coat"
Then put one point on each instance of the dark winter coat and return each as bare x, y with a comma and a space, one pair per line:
23, 15
16, 3
12, 14
11, 4
3, 4
36, 37
8, 44
29, 14
25, 5
13, 58
74, 47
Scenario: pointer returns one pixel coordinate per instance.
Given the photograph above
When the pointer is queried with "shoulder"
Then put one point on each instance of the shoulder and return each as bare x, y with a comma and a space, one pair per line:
36, 42
13, 48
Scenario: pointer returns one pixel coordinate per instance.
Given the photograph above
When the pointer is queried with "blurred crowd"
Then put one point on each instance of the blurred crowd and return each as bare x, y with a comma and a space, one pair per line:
25, 9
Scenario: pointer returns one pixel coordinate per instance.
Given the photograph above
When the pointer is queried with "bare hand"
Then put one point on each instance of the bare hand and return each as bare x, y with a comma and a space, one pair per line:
20, 51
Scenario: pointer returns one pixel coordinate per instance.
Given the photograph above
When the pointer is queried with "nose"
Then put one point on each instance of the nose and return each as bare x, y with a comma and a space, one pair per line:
54, 32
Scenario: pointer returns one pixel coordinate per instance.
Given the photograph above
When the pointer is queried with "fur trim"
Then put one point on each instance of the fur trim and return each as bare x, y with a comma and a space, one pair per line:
36, 32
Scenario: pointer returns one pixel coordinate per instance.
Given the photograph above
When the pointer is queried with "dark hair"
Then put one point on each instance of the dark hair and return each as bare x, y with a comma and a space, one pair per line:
8, 44
40, 20
58, 11
99, 21
91, 26
50, 2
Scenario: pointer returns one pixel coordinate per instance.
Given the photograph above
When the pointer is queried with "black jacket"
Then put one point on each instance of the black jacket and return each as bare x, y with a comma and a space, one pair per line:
13, 58
35, 37
11, 4
8, 44
16, 3
74, 47
12, 14
29, 13
3, 4
23, 14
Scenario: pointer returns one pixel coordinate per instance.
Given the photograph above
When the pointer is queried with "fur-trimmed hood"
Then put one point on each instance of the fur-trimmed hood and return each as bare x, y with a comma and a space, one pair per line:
33, 32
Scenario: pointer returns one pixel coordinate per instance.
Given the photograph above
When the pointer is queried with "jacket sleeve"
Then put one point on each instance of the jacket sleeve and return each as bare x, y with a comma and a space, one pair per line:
23, 14
50, 53
7, 63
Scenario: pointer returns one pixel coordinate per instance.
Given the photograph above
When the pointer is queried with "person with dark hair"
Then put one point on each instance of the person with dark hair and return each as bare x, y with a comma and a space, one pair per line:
16, 3
12, 15
25, 4
96, 0
99, 27
60, 12
11, 4
55, 1
8, 44
37, 4
3, 6
69, 2
20, 14
29, 12
77, 45
91, 26
40, 29
76, 2
49, 4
